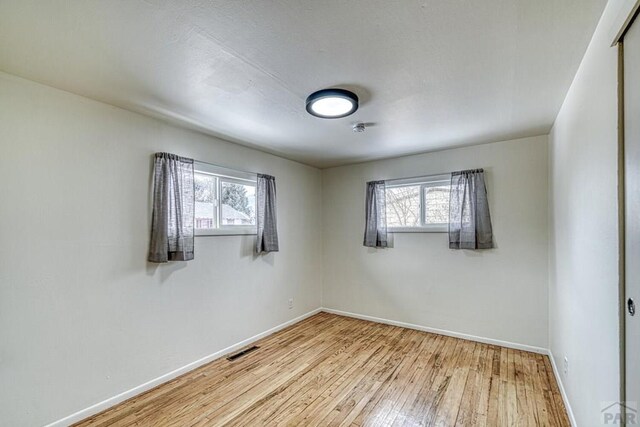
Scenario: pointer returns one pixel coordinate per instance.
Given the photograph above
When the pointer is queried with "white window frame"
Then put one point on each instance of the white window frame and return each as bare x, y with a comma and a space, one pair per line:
227, 175
423, 182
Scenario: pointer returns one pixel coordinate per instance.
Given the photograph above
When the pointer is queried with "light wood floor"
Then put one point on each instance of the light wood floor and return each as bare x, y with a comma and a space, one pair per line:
333, 370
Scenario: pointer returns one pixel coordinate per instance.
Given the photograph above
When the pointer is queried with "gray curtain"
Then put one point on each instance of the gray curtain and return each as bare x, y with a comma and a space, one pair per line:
375, 229
173, 209
469, 218
267, 239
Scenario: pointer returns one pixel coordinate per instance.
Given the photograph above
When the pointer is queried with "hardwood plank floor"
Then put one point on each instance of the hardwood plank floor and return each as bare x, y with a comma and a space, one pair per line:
331, 370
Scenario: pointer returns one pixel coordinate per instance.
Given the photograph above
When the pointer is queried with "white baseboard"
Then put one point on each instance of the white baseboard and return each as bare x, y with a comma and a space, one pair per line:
565, 399
106, 404
484, 340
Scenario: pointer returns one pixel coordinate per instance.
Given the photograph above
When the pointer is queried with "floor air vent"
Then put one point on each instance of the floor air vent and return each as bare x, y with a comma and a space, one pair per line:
242, 353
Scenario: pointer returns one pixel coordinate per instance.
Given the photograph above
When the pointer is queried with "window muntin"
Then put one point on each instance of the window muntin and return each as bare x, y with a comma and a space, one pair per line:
225, 201
418, 204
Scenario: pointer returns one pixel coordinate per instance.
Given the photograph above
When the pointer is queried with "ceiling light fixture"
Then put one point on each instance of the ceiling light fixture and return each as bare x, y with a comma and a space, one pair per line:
332, 103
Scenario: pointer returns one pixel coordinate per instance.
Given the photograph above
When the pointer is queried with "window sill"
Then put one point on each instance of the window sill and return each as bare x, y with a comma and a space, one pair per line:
417, 230
226, 232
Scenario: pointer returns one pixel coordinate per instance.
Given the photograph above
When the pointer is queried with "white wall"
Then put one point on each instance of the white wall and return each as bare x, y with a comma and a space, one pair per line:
499, 294
583, 294
83, 316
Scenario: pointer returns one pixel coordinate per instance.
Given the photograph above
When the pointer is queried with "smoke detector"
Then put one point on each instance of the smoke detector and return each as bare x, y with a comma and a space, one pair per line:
358, 127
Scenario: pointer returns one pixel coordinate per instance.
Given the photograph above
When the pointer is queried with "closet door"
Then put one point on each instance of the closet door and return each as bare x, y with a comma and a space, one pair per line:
631, 57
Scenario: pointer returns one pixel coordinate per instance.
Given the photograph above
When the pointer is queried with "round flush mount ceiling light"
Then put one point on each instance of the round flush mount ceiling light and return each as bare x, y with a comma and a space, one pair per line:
332, 103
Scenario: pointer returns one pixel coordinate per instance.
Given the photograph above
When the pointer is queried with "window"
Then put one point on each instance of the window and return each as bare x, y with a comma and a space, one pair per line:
418, 204
225, 201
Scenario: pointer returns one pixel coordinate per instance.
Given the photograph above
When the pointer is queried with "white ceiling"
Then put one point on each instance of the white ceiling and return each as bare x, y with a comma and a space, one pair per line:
430, 74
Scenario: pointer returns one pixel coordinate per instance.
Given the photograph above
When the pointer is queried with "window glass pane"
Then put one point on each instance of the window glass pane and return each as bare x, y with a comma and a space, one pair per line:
436, 200
205, 189
238, 204
403, 206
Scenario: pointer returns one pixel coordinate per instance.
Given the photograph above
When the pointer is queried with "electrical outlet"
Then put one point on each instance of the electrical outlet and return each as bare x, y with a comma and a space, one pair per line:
566, 365
290, 303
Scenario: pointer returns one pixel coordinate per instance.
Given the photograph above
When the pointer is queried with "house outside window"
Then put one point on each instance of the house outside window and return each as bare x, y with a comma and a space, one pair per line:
225, 201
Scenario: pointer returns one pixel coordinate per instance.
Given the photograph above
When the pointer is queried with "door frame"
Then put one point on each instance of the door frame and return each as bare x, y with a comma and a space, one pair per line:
627, 14
621, 228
